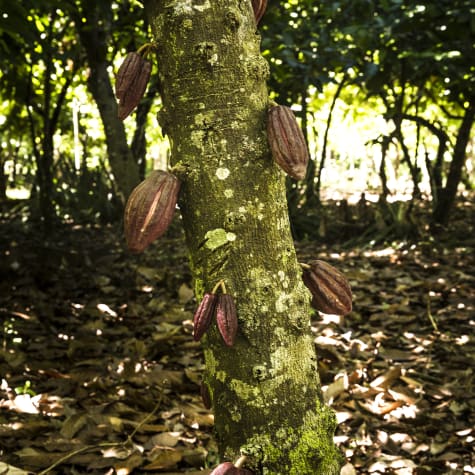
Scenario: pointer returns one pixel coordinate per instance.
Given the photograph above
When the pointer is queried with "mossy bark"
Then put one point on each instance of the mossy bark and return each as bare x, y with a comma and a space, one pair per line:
265, 389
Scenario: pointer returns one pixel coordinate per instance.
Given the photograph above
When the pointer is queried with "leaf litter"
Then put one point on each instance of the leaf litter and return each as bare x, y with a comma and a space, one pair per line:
100, 374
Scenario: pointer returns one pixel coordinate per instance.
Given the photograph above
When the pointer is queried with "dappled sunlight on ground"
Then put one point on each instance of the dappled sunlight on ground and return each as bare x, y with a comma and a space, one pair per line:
100, 374
394, 370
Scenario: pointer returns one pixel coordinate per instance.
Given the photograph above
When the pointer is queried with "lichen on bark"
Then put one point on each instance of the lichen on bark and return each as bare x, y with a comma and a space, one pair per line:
265, 389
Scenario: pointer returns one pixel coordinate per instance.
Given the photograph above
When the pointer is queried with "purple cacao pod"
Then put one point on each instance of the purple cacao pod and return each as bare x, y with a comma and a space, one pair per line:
227, 468
204, 315
226, 318
331, 292
150, 209
287, 142
131, 81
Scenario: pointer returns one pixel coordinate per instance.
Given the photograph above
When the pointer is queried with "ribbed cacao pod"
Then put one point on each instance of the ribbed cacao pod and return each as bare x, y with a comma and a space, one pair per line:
259, 7
226, 318
128, 71
150, 209
131, 81
287, 142
330, 289
204, 315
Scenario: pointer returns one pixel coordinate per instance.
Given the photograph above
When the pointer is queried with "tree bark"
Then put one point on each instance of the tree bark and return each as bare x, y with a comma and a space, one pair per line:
139, 145
385, 142
447, 195
406, 156
94, 34
43, 123
265, 390
435, 172
323, 155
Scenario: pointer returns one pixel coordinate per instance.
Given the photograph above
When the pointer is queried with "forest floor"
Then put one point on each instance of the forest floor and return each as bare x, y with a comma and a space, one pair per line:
99, 373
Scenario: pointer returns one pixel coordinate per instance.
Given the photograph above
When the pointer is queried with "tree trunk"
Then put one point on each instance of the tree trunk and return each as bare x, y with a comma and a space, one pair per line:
94, 34
121, 160
385, 142
446, 199
265, 390
3, 179
435, 171
413, 170
139, 145
323, 156
395, 111
43, 124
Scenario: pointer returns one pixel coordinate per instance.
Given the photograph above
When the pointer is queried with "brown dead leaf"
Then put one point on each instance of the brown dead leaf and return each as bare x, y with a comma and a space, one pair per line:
385, 380
114, 340
162, 458
73, 424
336, 388
11, 470
165, 439
124, 467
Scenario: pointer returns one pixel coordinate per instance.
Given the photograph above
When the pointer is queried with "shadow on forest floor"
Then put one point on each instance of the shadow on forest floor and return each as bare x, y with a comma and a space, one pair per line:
100, 374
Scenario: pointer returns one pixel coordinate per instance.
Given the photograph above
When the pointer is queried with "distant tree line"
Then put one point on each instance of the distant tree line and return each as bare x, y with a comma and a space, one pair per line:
416, 59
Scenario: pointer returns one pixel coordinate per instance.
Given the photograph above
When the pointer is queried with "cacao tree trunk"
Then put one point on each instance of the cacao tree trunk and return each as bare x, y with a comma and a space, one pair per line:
265, 390
138, 146
3, 180
385, 142
43, 123
94, 34
406, 156
435, 171
323, 155
447, 195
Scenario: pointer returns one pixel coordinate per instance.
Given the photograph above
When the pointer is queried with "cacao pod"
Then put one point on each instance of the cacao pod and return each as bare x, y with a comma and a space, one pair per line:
227, 468
131, 81
150, 209
259, 7
204, 315
287, 142
226, 318
205, 395
224, 468
330, 289
127, 72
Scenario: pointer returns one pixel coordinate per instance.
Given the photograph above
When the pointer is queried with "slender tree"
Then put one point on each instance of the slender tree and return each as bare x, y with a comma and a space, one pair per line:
447, 195
265, 390
416, 56
94, 22
42, 84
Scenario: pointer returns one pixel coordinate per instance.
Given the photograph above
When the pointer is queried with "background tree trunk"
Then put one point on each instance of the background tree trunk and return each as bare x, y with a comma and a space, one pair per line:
443, 208
323, 155
94, 35
265, 389
139, 145
43, 123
